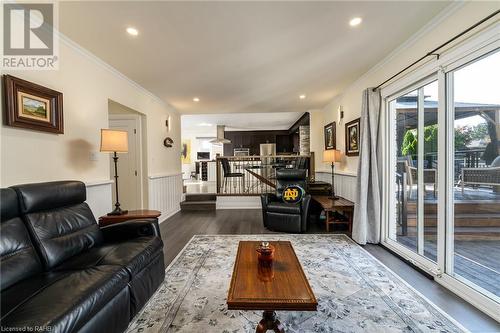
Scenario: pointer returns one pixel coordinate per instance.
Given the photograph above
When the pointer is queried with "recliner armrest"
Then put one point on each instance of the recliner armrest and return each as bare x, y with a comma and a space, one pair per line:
304, 208
131, 229
267, 198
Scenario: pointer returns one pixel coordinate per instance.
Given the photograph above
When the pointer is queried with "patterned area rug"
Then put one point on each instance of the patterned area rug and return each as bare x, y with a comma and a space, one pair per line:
355, 292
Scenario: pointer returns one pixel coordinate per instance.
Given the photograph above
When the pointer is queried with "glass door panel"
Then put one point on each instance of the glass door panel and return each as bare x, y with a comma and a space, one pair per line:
475, 252
430, 167
404, 228
415, 116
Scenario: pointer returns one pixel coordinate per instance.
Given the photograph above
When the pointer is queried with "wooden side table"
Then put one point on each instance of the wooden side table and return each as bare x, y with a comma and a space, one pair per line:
131, 215
330, 206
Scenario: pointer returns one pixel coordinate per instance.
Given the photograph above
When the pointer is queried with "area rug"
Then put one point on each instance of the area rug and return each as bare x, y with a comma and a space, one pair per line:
355, 292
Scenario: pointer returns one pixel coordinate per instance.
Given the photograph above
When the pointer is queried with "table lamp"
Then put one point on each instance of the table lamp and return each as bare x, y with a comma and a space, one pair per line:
114, 141
332, 156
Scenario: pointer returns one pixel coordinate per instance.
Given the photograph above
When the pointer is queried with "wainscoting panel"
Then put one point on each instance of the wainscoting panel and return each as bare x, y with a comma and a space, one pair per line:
165, 194
345, 184
99, 197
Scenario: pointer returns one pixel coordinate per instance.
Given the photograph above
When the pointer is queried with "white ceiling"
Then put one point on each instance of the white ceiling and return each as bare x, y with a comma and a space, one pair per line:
244, 56
206, 124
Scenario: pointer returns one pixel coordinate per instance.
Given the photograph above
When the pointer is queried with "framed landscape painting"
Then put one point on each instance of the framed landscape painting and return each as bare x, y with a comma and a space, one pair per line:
330, 136
29, 105
352, 138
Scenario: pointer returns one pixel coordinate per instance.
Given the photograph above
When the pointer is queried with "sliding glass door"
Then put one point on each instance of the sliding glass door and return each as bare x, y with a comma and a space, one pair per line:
414, 152
442, 188
474, 239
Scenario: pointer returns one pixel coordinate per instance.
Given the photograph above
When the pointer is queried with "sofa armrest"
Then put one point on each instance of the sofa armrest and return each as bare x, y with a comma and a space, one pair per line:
131, 229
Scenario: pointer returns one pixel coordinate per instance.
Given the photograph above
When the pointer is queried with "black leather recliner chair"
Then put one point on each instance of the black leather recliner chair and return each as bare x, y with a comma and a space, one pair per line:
281, 216
60, 271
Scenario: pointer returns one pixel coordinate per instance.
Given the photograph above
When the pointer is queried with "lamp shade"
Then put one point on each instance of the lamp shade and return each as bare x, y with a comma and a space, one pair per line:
332, 156
114, 141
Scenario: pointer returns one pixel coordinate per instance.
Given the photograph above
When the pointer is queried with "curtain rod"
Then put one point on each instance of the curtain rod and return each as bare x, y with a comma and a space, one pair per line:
433, 52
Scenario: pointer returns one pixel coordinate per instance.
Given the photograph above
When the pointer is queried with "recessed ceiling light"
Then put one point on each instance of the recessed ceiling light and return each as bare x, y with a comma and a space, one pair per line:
205, 124
196, 99
302, 96
355, 21
132, 31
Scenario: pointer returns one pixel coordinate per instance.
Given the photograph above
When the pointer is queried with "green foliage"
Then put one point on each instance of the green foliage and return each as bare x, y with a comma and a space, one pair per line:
409, 146
463, 137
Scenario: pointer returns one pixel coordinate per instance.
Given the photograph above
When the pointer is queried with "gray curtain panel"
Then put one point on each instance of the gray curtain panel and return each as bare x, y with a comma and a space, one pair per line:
366, 224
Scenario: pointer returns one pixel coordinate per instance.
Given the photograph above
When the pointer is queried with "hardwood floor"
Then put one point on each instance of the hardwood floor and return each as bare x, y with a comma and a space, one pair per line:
178, 230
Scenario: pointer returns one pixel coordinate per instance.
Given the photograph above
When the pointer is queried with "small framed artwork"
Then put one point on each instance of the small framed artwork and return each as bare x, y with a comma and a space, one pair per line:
352, 138
29, 105
330, 136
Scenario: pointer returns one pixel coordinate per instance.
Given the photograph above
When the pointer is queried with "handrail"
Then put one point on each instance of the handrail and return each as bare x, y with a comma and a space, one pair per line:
263, 156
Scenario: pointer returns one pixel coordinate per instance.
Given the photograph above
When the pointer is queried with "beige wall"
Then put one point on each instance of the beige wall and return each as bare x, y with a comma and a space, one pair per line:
87, 85
457, 19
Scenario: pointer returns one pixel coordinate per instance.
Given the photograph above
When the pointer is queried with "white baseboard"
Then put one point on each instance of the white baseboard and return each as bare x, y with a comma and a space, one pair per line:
166, 217
238, 202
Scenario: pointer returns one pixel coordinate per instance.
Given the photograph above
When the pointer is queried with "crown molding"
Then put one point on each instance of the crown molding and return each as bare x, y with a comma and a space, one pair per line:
101, 63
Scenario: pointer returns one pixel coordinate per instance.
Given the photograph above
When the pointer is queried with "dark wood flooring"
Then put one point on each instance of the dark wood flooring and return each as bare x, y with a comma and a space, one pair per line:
178, 230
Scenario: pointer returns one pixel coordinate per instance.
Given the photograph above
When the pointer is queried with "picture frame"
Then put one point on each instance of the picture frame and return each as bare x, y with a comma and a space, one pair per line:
352, 136
32, 106
330, 135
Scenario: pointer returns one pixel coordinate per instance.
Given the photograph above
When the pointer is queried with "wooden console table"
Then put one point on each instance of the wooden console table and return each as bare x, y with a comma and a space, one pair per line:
331, 206
131, 215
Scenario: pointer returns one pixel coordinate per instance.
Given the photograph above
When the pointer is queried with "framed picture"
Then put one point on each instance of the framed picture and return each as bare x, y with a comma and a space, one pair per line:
352, 138
29, 105
330, 136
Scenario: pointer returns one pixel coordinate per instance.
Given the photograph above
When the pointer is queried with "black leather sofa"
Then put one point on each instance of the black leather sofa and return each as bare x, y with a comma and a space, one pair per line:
60, 272
281, 216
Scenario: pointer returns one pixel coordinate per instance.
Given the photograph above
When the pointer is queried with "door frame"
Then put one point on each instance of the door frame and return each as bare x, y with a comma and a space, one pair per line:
476, 46
138, 148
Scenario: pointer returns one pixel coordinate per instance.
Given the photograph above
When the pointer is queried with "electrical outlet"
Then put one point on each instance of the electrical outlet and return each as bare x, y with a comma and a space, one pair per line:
94, 156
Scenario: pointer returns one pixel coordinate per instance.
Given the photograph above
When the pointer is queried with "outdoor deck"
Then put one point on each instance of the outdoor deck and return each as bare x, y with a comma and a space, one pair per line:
476, 234
474, 260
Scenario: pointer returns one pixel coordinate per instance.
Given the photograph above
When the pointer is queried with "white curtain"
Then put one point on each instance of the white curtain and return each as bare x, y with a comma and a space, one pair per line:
366, 224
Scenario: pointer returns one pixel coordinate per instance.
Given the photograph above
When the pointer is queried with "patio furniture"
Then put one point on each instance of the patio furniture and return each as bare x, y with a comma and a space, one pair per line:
430, 176
488, 176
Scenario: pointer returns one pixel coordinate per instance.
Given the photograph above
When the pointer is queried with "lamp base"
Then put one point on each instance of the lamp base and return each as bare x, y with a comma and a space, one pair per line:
117, 211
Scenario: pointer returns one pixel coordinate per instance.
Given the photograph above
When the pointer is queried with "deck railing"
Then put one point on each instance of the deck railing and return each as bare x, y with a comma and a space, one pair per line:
254, 175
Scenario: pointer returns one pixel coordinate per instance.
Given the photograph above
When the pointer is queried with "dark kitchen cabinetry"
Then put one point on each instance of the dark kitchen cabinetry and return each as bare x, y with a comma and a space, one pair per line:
287, 141
253, 139
284, 144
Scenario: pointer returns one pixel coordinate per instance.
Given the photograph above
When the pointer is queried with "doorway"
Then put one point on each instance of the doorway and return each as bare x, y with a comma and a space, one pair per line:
130, 165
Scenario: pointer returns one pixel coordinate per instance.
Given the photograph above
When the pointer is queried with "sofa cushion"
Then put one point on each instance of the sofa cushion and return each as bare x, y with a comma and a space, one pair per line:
65, 301
18, 257
284, 208
133, 255
61, 223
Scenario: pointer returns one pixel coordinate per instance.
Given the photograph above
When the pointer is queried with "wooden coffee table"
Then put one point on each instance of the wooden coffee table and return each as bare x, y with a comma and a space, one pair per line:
283, 286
